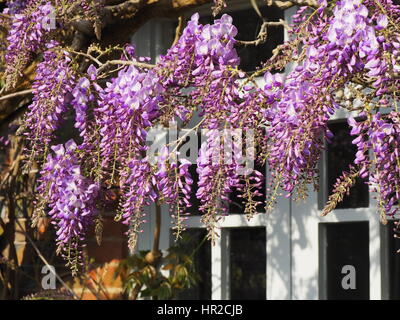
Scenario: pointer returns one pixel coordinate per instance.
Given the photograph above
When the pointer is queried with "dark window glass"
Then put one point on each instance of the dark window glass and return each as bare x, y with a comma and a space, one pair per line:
341, 153
194, 200
343, 244
248, 24
248, 263
194, 242
194, 210
390, 262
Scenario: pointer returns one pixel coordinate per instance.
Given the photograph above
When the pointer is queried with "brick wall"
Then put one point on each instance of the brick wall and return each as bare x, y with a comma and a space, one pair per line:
98, 283
101, 282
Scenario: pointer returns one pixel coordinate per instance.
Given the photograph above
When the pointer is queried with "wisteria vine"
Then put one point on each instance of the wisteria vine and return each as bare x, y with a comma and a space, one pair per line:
345, 55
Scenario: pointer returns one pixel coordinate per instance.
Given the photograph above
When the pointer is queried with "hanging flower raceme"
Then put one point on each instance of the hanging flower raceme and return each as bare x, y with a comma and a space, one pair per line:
26, 36
71, 198
138, 190
361, 130
215, 82
173, 182
175, 72
221, 166
299, 111
297, 126
341, 188
85, 96
380, 134
208, 73
127, 106
384, 134
52, 89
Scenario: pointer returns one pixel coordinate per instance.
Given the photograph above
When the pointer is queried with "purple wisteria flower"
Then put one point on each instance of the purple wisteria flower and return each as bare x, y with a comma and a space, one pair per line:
70, 196
26, 36
381, 135
126, 108
52, 89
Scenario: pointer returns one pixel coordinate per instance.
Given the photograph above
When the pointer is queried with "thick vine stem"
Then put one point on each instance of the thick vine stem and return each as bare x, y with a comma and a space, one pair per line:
286, 4
263, 33
155, 255
16, 94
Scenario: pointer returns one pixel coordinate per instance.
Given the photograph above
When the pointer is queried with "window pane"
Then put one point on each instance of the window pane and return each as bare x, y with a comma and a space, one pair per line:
341, 153
248, 263
390, 262
194, 243
248, 24
344, 253
194, 209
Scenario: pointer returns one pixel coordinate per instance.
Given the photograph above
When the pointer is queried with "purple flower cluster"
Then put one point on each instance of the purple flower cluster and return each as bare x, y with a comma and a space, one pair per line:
215, 56
352, 37
337, 45
199, 62
385, 177
51, 89
85, 95
349, 24
26, 36
296, 131
380, 134
15, 6
361, 130
201, 48
173, 183
181, 180
70, 196
205, 63
138, 190
221, 167
126, 108
357, 40
216, 180
216, 43
51, 96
